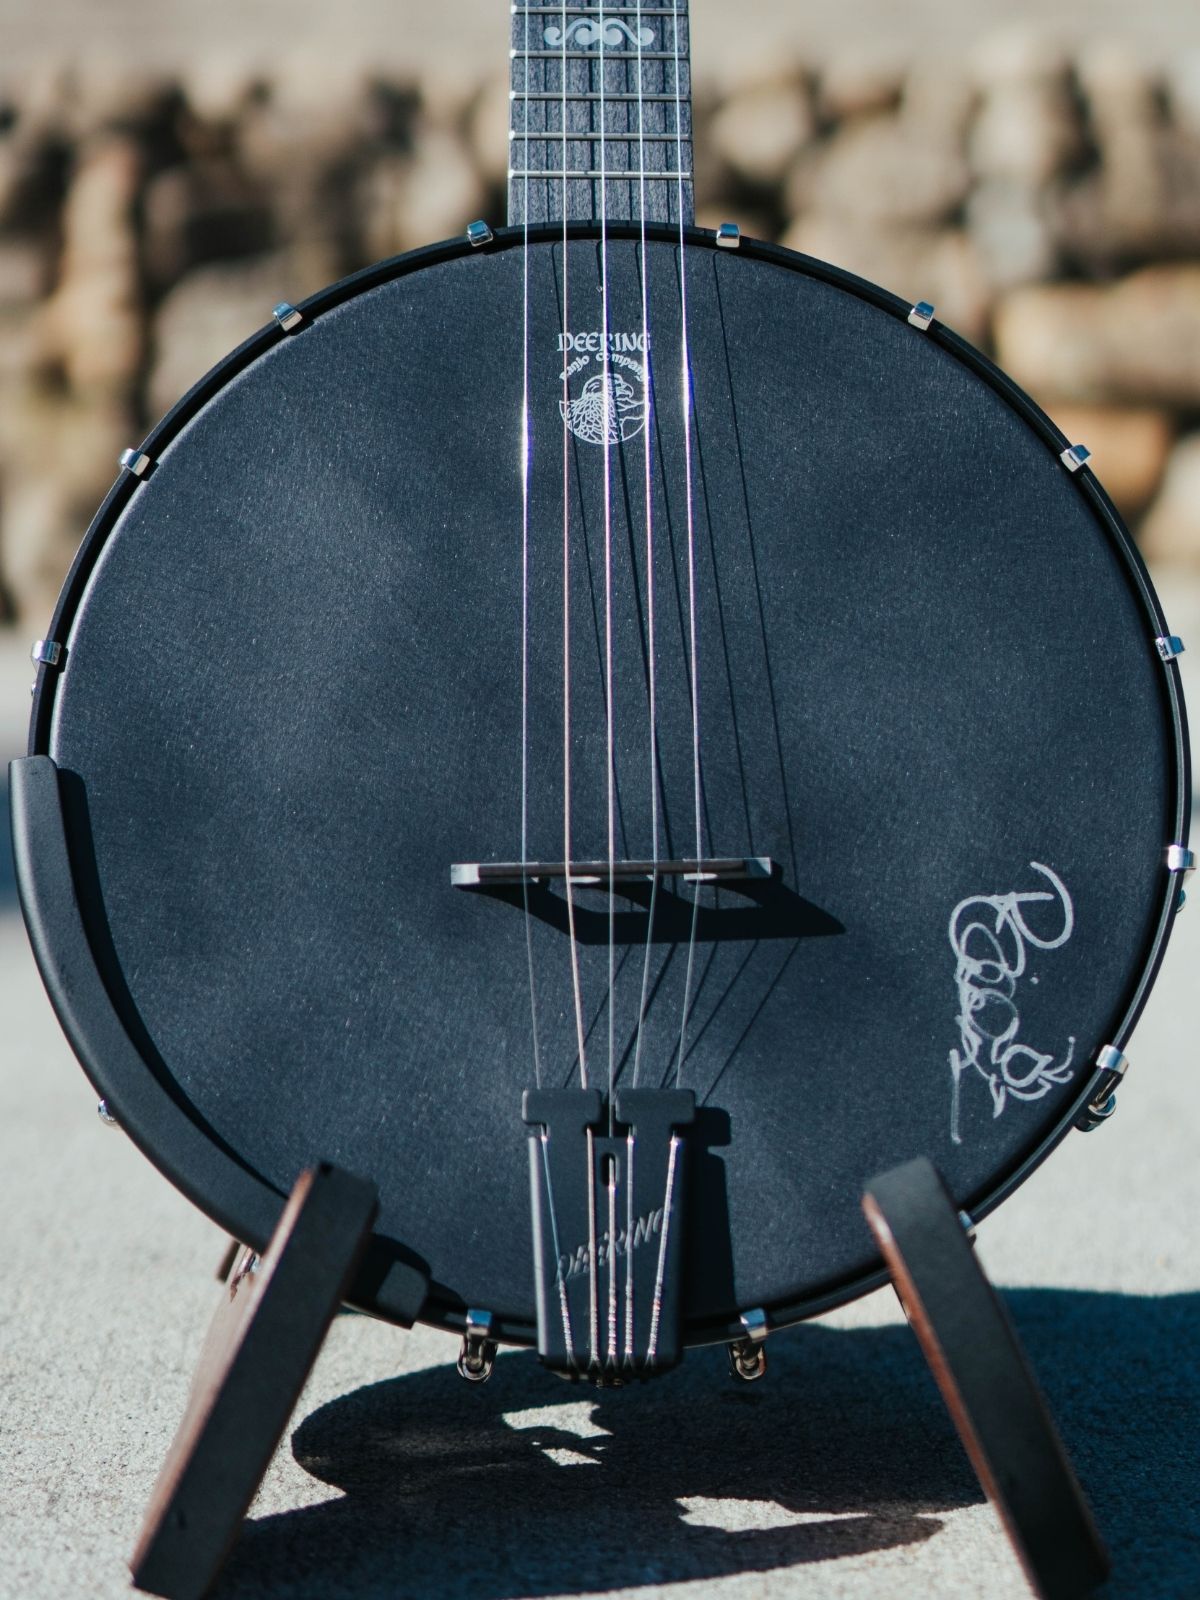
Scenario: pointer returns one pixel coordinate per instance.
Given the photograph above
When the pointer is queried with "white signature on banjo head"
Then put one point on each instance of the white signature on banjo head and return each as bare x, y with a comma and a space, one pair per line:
989, 935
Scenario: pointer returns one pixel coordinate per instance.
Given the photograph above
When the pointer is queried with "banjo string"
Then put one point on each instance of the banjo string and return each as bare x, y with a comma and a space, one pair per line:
526, 468
686, 379
566, 580
593, 1282
576, 984
610, 774
526, 473
607, 434
649, 515
649, 510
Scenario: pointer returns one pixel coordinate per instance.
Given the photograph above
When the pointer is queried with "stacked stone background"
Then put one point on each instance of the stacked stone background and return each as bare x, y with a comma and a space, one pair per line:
1048, 203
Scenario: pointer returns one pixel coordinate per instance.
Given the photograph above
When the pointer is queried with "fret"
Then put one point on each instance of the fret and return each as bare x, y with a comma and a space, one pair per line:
611, 174
621, 77
589, 11
556, 96
555, 135
597, 56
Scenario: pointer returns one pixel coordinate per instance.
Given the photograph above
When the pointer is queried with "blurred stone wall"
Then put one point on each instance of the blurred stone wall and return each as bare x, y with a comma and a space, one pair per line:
1049, 206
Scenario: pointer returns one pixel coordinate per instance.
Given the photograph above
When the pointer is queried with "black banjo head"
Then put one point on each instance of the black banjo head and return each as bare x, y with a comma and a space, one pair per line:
315, 659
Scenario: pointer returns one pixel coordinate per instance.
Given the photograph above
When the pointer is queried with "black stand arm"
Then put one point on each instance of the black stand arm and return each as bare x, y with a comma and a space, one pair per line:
986, 1381
266, 1335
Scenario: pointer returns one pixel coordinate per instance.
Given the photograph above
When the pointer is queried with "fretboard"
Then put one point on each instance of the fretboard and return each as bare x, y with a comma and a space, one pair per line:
627, 141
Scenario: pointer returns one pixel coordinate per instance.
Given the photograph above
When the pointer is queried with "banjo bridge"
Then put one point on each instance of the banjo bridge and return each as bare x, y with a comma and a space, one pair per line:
724, 871
608, 1217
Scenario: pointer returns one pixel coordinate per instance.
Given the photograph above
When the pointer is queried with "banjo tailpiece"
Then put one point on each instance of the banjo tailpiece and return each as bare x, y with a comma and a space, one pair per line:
607, 1191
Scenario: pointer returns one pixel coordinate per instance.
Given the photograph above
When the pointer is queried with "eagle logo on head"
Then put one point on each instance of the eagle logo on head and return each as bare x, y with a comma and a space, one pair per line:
586, 416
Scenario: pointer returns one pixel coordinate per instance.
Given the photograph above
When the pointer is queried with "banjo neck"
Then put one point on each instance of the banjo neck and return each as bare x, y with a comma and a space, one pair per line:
618, 80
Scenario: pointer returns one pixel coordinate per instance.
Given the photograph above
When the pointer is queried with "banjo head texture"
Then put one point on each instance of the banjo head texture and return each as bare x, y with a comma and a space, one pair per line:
928, 691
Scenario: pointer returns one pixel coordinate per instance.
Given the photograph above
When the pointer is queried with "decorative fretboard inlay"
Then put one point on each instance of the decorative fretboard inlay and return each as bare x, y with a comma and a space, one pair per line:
609, 31
600, 101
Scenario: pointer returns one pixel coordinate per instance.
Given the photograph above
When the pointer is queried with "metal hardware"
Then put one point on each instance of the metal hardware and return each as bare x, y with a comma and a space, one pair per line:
968, 1224
1180, 859
1110, 1059
136, 461
479, 233
477, 1358
722, 870
591, 55
1183, 861
245, 1265
1098, 1113
609, 1208
556, 96
1112, 1065
632, 175
609, 11
47, 653
287, 316
1169, 646
755, 1324
747, 1356
729, 236
553, 136
1075, 456
106, 1116
921, 315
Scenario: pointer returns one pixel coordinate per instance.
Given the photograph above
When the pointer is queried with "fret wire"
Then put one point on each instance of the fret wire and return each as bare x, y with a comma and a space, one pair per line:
591, 55
667, 98
517, 91
545, 135
591, 11
617, 174
556, 96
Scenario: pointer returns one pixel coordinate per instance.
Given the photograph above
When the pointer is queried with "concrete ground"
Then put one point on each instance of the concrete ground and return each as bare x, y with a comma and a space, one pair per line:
838, 1476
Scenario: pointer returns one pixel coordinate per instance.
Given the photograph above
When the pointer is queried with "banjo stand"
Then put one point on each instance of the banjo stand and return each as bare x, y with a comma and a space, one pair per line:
616, 1323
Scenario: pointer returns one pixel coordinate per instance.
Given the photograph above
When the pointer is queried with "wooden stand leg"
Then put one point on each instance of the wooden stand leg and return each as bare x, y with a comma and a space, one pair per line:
986, 1381
270, 1325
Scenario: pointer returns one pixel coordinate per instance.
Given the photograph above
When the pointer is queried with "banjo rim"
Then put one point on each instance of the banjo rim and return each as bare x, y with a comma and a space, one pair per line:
171, 1134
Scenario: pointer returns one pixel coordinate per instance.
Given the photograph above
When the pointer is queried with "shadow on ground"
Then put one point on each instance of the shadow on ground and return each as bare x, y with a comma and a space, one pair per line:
844, 1449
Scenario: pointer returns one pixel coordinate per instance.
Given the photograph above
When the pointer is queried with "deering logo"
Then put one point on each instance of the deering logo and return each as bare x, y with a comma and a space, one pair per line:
579, 1261
586, 411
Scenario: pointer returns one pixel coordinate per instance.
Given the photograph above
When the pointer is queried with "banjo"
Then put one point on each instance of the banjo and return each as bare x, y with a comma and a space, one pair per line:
616, 731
